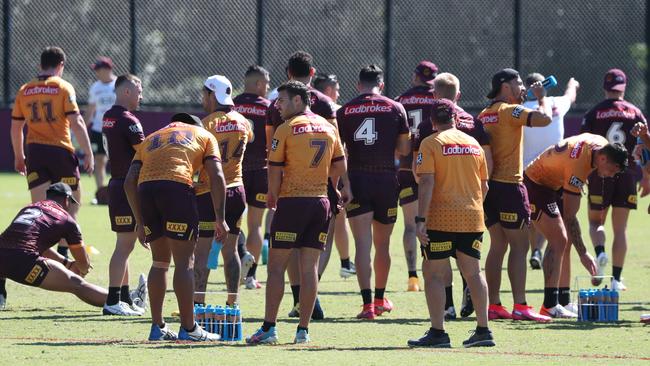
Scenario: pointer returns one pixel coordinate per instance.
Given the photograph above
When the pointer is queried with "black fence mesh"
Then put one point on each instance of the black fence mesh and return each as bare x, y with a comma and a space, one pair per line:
179, 44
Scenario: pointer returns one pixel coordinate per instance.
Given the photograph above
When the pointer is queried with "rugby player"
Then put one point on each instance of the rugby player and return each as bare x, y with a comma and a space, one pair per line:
300, 68
447, 86
555, 180
417, 102
373, 128
506, 204
305, 151
613, 118
453, 176
233, 132
26, 256
536, 140
253, 105
160, 192
48, 105
328, 84
101, 97
123, 133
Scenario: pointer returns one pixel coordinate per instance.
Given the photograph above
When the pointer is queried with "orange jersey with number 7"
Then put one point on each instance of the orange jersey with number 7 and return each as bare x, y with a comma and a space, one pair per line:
232, 131
305, 146
44, 104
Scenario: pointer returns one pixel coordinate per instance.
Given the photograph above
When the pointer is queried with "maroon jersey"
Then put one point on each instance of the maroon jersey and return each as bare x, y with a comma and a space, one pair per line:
417, 102
369, 126
614, 119
321, 105
464, 122
39, 226
122, 131
254, 108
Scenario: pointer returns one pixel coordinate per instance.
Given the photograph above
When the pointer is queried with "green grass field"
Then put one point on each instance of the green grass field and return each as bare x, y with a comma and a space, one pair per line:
44, 327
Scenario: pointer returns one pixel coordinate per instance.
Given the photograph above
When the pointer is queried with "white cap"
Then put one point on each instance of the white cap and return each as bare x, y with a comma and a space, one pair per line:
221, 87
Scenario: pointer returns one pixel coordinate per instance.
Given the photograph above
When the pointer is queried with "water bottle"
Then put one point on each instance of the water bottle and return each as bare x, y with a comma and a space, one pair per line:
213, 256
227, 325
645, 154
265, 251
209, 319
548, 83
220, 321
613, 295
583, 305
599, 307
238, 326
593, 306
606, 305
200, 316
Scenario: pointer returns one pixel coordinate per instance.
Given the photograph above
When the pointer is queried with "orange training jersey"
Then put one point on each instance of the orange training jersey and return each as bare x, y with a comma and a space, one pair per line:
233, 132
175, 153
457, 162
504, 124
44, 103
567, 164
305, 145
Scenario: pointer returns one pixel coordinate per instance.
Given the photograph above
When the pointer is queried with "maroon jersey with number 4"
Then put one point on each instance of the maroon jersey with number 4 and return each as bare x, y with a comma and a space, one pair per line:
417, 102
370, 125
254, 108
614, 119
39, 226
122, 131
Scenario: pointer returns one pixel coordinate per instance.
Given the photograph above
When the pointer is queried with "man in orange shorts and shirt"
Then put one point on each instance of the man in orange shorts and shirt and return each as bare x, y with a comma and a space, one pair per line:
555, 181
453, 174
159, 187
506, 204
233, 132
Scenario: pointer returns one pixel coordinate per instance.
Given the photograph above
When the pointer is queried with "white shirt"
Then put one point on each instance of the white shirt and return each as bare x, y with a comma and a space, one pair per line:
538, 139
102, 95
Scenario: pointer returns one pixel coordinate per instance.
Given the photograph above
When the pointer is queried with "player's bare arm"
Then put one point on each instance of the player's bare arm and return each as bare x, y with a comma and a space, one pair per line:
424, 199
270, 130
404, 144
484, 188
90, 111
571, 207
78, 127
571, 91
131, 190
82, 262
543, 115
275, 179
218, 193
18, 141
487, 150
338, 170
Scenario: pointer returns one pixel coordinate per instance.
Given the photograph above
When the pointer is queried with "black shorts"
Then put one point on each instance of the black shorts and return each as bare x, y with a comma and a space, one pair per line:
25, 267
256, 184
51, 163
543, 199
374, 192
507, 204
618, 191
408, 188
97, 142
169, 209
235, 207
444, 244
300, 222
119, 211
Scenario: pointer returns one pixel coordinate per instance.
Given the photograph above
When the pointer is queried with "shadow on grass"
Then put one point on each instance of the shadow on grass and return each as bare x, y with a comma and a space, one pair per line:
86, 317
332, 348
567, 325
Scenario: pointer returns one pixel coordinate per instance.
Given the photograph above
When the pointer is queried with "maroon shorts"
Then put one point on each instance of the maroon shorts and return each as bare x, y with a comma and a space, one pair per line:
408, 188
235, 206
619, 191
376, 193
256, 184
169, 209
25, 267
122, 219
507, 204
300, 222
333, 197
51, 163
444, 244
543, 199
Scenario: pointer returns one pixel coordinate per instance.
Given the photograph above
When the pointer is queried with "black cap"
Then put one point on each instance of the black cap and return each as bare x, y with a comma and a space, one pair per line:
61, 189
190, 119
499, 78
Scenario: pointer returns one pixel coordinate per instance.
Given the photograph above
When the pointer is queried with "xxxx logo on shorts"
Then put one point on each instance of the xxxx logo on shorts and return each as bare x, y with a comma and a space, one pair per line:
147, 231
123, 220
34, 274
176, 227
406, 192
32, 177
508, 216
285, 236
476, 245
69, 180
596, 199
322, 237
352, 206
392, 212
533, 208
632, 198
442, 246
206, 225
260, 197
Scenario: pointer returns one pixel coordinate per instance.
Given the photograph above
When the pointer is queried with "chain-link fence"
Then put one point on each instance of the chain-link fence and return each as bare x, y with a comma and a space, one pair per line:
173, 46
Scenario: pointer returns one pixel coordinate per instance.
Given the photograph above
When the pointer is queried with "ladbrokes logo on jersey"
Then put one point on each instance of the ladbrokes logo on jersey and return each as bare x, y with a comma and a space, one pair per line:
248, 109
457, 149
368, 108
615, 113
230, 126
310, 128
488, 118
575, 152
47, 90
417, 100
108, 123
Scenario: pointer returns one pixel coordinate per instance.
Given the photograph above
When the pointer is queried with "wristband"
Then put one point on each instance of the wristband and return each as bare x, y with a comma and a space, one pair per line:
419, 219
